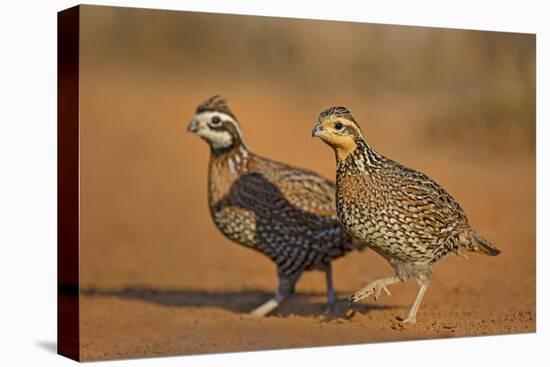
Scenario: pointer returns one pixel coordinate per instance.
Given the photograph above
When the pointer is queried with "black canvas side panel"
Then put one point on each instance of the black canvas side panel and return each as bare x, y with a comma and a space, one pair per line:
68, 341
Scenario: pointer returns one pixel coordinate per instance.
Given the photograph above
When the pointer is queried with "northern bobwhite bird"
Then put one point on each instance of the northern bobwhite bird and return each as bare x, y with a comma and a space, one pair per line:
286, 213
400, 213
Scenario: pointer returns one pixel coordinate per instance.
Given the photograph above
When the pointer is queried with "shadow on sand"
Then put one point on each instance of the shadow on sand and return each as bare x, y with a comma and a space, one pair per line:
239, 302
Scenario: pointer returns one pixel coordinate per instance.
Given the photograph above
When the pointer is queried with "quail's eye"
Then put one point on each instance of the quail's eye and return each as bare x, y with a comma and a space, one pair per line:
216, 120
338, 126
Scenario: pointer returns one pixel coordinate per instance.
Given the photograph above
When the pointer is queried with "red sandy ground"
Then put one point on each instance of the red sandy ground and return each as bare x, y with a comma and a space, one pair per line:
158, 279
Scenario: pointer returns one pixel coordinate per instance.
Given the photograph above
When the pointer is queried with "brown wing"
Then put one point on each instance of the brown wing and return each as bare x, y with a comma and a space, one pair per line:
303, 189
292, 233
421, 203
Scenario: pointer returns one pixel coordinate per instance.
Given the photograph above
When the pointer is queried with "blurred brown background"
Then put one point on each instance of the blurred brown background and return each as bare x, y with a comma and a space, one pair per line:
157, 277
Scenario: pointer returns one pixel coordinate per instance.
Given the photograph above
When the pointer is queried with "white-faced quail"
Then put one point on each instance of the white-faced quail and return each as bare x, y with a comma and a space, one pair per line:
286, 213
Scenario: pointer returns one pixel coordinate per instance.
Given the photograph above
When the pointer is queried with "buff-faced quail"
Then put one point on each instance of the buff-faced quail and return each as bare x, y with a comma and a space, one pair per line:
400, 213
286, 213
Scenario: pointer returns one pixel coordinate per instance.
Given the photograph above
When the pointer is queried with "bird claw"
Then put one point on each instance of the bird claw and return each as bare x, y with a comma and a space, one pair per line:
329, 310
408, 321
378, 290
371, 289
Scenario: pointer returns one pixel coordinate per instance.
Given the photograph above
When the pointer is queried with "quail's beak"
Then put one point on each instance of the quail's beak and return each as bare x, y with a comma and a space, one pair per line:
193, 126
317, 130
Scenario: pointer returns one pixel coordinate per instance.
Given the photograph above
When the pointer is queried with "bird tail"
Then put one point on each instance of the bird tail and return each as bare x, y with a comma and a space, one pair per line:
481, 245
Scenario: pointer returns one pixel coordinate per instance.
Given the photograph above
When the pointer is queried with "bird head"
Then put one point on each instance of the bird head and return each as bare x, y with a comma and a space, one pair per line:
215, 123
337, 128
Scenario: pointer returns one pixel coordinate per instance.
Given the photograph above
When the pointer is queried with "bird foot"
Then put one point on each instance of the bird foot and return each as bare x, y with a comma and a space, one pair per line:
408, 320
330, 309
373, 288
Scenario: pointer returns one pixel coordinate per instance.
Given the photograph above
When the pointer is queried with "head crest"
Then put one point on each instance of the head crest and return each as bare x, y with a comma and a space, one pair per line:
215, 104
338, 111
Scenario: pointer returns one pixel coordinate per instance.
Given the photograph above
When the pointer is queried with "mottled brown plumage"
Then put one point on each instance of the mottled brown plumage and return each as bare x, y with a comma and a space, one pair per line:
402, 214
286, 213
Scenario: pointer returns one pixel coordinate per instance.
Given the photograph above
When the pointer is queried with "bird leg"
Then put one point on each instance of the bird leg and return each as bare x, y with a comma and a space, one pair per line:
331, 296
375, 287
266, 308
411, 318
285, 289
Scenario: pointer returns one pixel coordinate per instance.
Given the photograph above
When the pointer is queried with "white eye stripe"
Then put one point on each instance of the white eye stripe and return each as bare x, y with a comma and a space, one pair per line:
207, 117
216, 126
